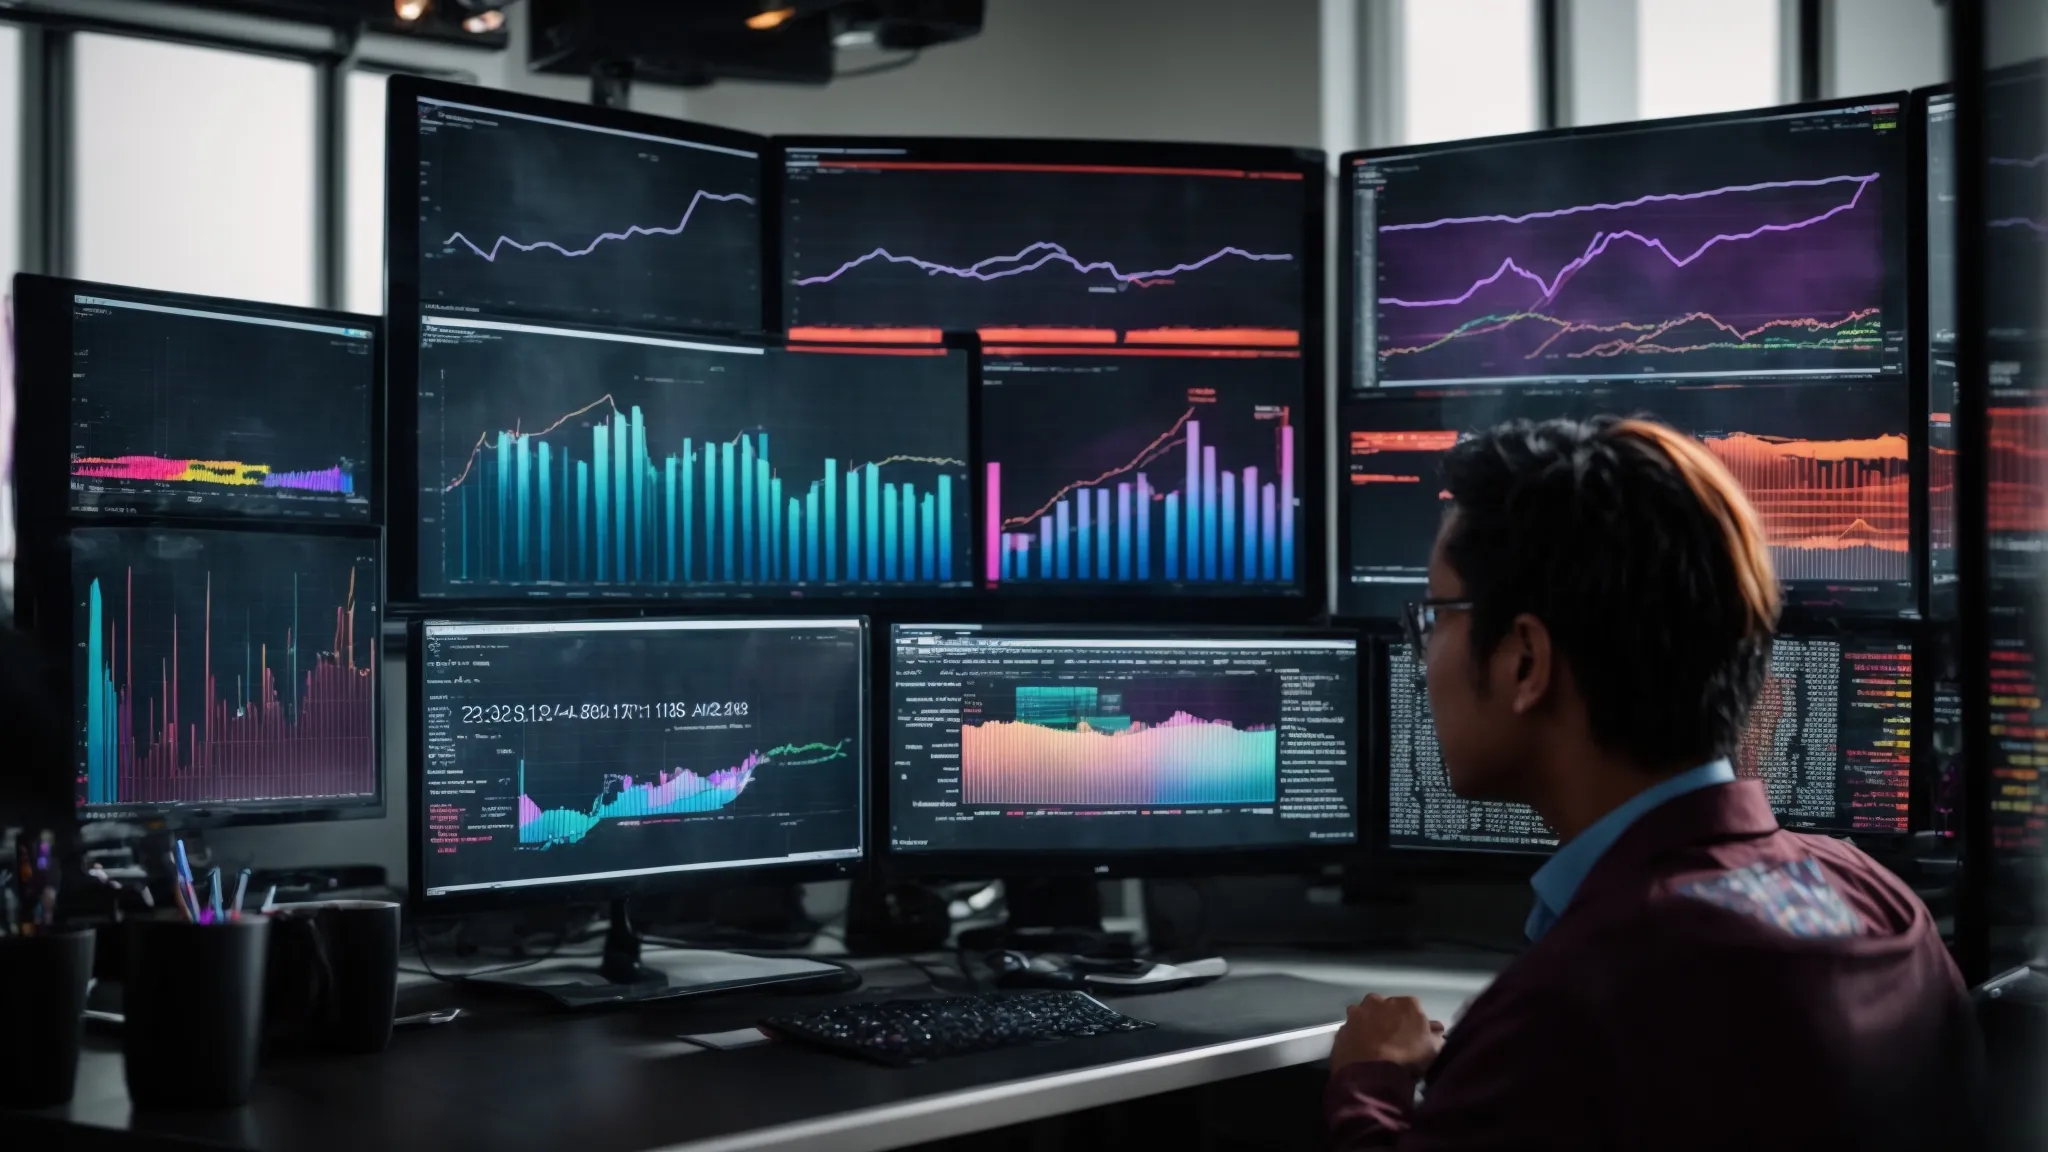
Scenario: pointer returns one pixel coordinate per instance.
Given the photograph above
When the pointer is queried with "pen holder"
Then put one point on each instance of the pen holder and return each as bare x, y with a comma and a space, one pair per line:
333, 979
194, 1006
42, 999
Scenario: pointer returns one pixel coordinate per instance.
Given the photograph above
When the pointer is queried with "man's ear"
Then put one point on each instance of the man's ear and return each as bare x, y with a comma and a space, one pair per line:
1529, 640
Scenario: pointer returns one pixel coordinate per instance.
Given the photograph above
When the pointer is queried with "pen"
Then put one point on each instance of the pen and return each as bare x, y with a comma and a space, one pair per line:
241, 890
214, 894
268, 898
184, 866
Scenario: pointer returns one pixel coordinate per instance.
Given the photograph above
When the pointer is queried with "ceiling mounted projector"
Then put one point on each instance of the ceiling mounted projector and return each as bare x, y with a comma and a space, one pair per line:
694, 44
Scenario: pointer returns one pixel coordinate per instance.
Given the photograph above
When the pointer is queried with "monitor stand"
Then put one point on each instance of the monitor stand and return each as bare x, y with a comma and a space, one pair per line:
1056, 916
623, 976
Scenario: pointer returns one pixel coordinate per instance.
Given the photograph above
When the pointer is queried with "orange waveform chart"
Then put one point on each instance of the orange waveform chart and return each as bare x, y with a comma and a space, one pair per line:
2018, 498
1832, 510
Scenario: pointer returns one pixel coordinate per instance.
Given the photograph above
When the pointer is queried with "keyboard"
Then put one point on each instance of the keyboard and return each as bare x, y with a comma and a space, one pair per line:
900, 1033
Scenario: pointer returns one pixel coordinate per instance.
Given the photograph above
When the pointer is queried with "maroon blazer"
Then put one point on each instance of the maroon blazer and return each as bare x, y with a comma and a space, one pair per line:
1717, 983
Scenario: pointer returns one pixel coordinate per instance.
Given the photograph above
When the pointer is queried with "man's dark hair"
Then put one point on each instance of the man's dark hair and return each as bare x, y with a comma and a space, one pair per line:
1640, 554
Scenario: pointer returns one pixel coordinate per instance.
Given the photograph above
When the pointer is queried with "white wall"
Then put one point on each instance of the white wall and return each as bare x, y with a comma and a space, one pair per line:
1884, 45
1212, 70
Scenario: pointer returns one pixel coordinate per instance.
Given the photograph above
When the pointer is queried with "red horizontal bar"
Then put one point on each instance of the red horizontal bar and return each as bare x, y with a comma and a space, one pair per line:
868, 335
1259, 337
1098, 350
865, 350
1050, 335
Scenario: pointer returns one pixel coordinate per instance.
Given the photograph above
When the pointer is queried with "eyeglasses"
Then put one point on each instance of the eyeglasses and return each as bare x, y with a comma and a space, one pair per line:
1419, 620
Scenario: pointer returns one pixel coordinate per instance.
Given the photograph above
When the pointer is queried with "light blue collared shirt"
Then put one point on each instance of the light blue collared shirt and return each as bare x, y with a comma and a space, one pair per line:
1559, 878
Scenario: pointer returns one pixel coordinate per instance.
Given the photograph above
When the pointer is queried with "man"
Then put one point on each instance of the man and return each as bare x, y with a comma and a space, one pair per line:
1598, 621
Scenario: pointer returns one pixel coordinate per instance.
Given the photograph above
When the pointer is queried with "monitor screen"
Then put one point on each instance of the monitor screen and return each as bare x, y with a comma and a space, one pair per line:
1754, 244
1168, 471
1830, 736
1054, 240
218, 408
1022, 739
557, 211
585, 753
558, 462
1826, 466
230, 673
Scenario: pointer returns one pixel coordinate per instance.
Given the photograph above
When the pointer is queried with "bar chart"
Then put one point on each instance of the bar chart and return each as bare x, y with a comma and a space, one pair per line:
1181, 472
710, 471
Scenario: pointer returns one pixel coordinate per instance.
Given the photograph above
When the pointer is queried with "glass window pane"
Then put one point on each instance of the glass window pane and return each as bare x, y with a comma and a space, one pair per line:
10, 262
363, 226
1693, 58
194, 169
1468, 68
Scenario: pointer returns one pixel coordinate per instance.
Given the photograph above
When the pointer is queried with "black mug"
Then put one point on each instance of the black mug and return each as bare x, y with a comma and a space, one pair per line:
194, 1007
43, 982
333, 978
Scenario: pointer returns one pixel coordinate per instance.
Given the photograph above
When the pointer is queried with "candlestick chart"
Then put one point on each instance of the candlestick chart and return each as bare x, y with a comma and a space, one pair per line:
1185, 481
569, 463
220, 668
935, 238
528, 215
183, 410
1826, 467
575, 750
1747, 248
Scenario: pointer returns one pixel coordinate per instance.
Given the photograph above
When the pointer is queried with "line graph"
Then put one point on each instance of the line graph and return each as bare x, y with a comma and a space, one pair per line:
1052, 253
934, 240
633, 230
1764, 248
673, 792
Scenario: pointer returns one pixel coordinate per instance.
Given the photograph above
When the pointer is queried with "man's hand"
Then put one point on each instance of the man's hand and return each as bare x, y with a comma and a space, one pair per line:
1394, 1029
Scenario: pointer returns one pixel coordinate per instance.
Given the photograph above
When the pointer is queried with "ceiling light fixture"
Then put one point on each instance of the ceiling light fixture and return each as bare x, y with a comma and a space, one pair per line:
410, 10
772, 18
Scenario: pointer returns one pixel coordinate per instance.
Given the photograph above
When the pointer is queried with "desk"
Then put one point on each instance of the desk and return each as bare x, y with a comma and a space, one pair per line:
512, 1076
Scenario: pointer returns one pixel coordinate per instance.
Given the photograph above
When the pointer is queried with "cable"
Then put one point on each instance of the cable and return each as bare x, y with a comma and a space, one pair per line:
427, 966
904, 61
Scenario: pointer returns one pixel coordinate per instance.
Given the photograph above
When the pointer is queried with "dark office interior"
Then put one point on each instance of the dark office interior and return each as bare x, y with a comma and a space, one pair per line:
804, 575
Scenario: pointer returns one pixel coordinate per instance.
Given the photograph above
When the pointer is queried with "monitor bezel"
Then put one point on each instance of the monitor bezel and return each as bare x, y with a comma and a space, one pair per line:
617, 888
44, 610
1305, 602
1151, 864
1934, 605
403, 465
43, 350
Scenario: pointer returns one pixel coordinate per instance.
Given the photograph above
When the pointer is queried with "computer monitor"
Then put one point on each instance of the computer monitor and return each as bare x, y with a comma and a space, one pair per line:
1020, 750
1054, 240
158, 404
580, 463
2019, 742
1147, 472
1830, 736
1828, 468
1765, 243
217, 676
567, 760
512, 206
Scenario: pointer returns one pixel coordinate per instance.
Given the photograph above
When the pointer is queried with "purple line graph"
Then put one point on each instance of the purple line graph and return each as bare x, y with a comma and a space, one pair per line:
1761, 277
503, 242
1050, 253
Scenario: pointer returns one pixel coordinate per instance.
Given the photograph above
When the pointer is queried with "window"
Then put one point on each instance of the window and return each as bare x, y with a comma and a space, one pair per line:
1468, 68
194, 169
1693, 57
363, 223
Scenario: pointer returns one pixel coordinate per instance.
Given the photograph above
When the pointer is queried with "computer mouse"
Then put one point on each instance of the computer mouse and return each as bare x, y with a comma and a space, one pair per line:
1019, 970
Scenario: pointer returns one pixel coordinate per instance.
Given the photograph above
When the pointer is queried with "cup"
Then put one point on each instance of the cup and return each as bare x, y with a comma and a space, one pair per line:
43, 982
194, 1006
333, 977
